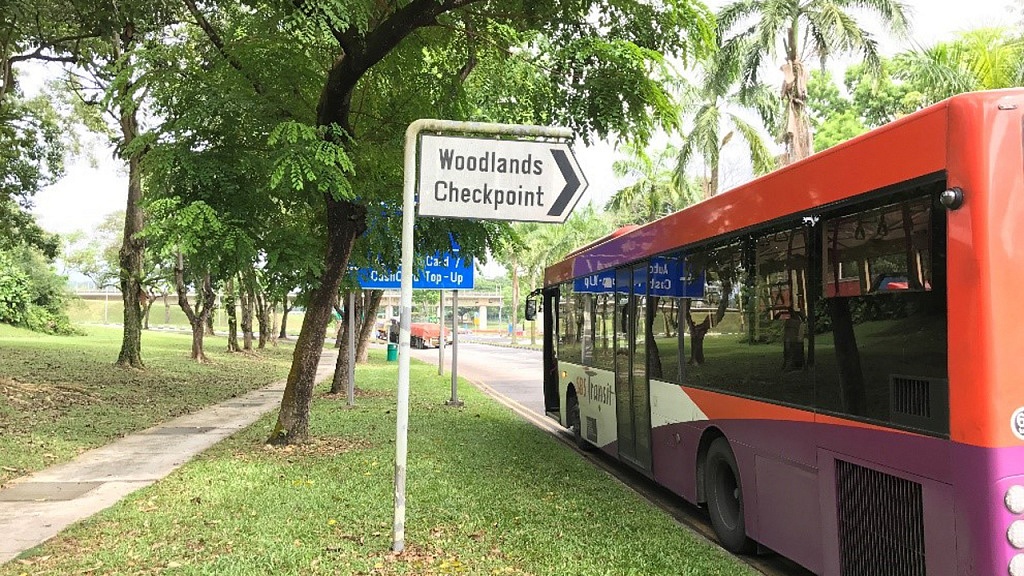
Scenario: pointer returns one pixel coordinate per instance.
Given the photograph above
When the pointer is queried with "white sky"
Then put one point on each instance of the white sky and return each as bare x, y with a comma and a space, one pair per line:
87, 193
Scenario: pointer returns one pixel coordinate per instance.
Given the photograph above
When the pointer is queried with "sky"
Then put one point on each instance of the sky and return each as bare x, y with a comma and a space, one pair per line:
92, 188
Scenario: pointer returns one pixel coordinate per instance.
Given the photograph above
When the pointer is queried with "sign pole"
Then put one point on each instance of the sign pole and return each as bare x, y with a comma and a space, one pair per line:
563, 204
454, 401
351, 313
440, 339
405, 321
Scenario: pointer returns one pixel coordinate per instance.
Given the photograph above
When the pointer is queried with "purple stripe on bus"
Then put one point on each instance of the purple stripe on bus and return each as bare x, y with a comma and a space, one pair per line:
968, 540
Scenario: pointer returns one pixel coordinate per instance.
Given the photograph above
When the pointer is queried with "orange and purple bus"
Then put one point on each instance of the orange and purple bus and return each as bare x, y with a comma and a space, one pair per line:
830, 358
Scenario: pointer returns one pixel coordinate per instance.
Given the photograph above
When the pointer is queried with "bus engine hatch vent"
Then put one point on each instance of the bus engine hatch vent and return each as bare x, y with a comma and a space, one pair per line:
881, 523
919, 402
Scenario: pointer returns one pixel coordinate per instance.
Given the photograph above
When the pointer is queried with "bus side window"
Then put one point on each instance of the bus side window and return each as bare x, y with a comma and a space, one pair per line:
570, 325
779, 366
889, 332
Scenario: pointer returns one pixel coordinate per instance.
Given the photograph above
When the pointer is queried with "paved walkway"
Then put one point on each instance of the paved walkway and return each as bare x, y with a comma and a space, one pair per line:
35, 508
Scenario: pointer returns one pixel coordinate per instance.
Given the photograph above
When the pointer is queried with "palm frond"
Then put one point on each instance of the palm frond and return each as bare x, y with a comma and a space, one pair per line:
760, 155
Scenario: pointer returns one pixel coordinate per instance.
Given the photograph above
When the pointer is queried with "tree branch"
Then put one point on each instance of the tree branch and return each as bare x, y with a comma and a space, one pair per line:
37, 54
221, 47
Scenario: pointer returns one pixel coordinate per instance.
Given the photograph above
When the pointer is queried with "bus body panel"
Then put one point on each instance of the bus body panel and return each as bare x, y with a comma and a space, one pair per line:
595, 391
986, 250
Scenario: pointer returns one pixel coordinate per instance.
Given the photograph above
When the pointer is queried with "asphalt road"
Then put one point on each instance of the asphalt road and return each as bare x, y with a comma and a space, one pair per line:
512, 372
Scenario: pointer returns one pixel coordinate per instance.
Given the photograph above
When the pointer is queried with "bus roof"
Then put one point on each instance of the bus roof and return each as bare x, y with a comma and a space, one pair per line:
912, 147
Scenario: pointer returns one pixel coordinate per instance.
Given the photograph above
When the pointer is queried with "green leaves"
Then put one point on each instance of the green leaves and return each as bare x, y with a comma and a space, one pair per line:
15, 292
311, 157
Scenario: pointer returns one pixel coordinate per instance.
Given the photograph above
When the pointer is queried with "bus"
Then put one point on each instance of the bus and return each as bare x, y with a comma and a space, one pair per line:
829, 358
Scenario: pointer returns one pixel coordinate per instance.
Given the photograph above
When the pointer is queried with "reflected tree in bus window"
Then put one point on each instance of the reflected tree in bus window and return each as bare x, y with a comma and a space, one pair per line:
715, 308
886, 330
587, 313
663, 317
777, 359
604, 330
570, 325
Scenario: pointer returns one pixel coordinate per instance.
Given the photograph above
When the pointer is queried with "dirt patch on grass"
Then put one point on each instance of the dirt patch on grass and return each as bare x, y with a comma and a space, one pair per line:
360, 393
44, 396
316, 446
434, 560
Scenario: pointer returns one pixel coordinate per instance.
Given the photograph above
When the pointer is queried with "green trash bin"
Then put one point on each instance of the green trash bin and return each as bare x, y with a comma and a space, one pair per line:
392, 352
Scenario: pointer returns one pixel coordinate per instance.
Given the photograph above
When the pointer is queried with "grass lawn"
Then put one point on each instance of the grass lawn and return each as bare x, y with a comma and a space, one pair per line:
487, 494
160, 315
60, 395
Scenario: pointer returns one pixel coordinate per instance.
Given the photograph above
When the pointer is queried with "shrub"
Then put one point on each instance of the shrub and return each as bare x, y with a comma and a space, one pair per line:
15, 291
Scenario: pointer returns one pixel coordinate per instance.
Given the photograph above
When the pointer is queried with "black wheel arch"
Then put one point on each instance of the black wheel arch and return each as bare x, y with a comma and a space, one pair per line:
711, 433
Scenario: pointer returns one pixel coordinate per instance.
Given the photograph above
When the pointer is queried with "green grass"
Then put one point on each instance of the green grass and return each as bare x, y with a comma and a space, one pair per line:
60, 395
487, 494
112, 312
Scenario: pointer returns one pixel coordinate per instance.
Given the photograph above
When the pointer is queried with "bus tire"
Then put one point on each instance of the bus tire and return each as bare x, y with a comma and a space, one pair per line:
574, 421
725, 498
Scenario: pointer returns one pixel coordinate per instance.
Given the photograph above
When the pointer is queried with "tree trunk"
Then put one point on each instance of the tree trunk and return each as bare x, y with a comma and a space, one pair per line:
196, 317
263, 306
339, 313
346, 221
341, 368
514, 316
372, 300
654, 369
797, 131
145, 312
245, 297
167, 307
229, 307
285, 309
132, 246
851, 376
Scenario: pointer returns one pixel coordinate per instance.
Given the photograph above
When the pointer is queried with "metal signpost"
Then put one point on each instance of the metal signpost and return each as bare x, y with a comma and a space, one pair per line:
454, 400
440, 329
487, 172
351, 313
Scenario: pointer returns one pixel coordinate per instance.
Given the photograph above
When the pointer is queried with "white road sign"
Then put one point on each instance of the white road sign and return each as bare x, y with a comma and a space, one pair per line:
521, 180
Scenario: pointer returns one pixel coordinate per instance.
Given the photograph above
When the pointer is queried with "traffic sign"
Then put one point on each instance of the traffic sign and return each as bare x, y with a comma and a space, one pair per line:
442, 271
487, 179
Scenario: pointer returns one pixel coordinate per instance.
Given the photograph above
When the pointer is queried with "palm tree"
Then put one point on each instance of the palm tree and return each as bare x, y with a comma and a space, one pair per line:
982, 59
804, 29
715, 104
655, 191
533, 247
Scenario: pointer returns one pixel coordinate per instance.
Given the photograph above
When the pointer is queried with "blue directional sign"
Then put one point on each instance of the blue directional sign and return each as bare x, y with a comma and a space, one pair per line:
667, 276
442, 271
599, 283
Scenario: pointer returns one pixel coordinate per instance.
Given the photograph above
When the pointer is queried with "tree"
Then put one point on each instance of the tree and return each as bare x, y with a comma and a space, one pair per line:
753, 30
982, 59
598, 65
655, 191
33, 147
716, 106
32, 293
206, 251
101, 50
833, 117
95, 254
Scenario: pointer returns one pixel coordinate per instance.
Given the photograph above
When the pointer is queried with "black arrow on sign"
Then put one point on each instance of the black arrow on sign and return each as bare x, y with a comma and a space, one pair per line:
572, 183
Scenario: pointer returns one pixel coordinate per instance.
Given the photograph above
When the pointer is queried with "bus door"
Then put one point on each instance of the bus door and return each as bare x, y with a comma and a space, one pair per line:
550, 310
632, 391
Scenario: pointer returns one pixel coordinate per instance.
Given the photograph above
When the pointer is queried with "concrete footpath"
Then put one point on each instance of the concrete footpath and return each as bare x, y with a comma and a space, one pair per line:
35, 508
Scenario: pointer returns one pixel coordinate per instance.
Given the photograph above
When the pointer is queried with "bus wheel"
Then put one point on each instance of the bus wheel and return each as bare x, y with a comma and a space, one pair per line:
572, 411
725, 498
